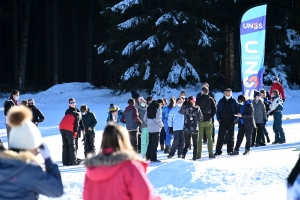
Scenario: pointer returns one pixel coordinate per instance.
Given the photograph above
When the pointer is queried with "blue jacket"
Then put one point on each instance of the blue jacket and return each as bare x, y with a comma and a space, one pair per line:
120, 113
165, 115
234, 107
22, 178
175, 119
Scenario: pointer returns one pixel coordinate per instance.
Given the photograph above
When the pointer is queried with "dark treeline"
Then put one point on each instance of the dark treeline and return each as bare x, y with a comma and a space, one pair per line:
43, 43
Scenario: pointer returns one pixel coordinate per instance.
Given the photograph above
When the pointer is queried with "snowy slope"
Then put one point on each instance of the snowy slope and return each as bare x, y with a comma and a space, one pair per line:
260, 175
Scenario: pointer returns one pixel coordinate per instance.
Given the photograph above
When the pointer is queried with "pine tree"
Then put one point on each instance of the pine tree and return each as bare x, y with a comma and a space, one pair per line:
155, 44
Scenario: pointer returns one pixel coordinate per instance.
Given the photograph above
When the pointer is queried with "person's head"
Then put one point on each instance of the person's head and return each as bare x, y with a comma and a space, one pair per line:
72, 102
134, 94
165, 102
84, 109
160, 102
191, 101
205, 90
205, 84
131, 102
241, 99
275, 79
116, 137
31, 103
179, 101
275, 93
113, 109
24, 103
183, 94
263, 93
257, 95
15, 94
24, 135
142, 102
228, 93
172, 102
149, 100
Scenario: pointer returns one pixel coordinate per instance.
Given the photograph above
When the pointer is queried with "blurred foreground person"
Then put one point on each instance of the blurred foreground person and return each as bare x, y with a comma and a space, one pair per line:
293, 183
21, 176
116, 172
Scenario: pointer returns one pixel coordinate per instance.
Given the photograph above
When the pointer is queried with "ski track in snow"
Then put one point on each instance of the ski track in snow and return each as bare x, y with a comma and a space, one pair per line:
261, 175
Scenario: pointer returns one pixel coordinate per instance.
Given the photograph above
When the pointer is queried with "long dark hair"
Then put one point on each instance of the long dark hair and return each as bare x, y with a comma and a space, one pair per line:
172, 102
14, 92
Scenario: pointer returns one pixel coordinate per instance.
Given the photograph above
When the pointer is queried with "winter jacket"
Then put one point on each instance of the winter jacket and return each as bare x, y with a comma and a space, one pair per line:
23, 179
192, 116
175, 119
234, 107
117, 176
267, 103
119, 116
260, 115
154, 125
276, 105
89, 120
78, 118
247, 115
7, 105
278, 86
131, 118
37, 115
207, 106
142, 112
210, 94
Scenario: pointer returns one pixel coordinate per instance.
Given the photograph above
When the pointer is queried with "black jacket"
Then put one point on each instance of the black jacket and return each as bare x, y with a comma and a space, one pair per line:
78, 118
37, 115
234, 108
89, 120
248, 115
210, 94
207, 106
7, 105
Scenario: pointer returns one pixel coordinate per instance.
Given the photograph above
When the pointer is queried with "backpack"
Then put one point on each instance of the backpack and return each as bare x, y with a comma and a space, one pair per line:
152, 109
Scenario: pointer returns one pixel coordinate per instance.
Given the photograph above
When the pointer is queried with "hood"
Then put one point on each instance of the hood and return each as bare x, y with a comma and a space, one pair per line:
248, 102
104, 166
12, 163
276, 84
129, 108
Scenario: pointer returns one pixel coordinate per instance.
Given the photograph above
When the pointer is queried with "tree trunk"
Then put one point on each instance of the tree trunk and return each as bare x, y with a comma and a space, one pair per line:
55, 41
89, 46
76, 71
24, 45
48, 43
15, 42
229, 54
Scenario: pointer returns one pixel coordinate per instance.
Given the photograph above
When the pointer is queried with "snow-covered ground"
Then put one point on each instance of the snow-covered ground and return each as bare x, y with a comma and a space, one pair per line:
261, 175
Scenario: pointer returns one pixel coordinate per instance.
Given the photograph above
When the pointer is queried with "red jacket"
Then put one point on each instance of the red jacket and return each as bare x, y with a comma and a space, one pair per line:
126, 180
68, 123
278, 86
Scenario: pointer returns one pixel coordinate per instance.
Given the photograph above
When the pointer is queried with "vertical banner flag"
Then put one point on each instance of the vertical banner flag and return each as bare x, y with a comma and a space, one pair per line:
252, 35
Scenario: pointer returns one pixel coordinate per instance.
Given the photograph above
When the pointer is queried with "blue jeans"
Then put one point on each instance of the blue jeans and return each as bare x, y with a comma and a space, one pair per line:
277, 127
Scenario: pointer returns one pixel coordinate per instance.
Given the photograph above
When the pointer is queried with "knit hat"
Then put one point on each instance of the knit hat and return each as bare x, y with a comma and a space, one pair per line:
134, 94
24, 134
256, 93
275, 78
112, 108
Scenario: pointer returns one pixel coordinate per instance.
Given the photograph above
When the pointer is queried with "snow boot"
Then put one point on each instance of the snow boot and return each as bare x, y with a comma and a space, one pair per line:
162, 147
167, 150
275, 142
235, 153
246, 152
169, 156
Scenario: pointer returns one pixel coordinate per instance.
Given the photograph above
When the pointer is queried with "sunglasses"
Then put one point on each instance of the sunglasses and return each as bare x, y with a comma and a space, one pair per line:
72, 102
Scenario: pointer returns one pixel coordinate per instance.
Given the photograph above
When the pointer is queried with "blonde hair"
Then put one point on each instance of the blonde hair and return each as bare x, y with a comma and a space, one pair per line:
116, 137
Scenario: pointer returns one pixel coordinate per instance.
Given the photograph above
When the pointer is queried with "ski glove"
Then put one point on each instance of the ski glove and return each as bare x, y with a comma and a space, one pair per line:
44, 151
171, 130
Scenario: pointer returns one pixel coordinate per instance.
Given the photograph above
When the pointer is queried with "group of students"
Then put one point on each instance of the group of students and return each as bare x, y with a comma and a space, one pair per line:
185, 119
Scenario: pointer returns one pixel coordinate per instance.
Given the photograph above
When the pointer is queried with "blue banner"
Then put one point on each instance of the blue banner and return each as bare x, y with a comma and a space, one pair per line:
252, 35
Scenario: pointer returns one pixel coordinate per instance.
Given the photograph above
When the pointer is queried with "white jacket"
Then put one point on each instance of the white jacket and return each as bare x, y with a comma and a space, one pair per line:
156, 124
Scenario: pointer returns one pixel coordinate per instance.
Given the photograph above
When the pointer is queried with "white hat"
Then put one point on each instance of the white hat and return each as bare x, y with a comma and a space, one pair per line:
24, 134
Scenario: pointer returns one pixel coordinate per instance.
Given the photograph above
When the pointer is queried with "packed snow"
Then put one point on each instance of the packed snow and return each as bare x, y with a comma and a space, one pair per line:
260, 175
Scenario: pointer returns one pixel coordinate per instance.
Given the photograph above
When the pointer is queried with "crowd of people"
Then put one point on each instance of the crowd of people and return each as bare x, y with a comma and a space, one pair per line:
179, 125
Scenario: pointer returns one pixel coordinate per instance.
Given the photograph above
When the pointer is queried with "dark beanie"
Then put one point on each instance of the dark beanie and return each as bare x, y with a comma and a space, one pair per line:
134, 95
256, 93
112, 108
